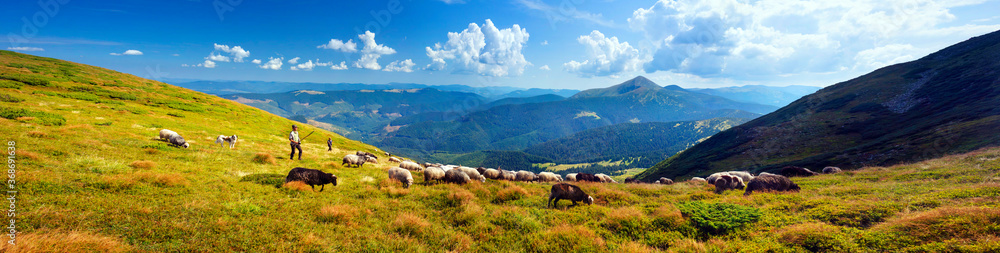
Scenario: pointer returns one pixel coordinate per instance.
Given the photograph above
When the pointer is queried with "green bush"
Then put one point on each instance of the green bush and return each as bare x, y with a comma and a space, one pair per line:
10, 84
47, 93
718, 218
26, 79
44, 118
9, 98
860, 216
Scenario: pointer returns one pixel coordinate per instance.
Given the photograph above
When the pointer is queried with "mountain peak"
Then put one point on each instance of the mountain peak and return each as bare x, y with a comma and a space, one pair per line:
639, 84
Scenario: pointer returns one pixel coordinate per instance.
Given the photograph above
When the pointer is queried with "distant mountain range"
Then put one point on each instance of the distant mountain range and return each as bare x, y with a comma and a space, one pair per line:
760, 94
240, 87
519, 126
947, 102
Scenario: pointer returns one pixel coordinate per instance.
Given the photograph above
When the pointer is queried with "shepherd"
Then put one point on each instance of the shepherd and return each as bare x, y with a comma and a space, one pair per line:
329, 144
293, 139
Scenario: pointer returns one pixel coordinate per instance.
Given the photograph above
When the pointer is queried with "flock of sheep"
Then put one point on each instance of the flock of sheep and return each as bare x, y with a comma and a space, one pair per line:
436, 172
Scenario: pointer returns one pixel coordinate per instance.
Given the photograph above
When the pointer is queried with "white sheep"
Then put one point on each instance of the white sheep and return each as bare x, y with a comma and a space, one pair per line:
526, 176
744, 175
508, 175
571, 177
492, 174
401, 175
456, 176
395, 160
605, 178
173, 138
433, 174
546, 176
410, 166
473, 173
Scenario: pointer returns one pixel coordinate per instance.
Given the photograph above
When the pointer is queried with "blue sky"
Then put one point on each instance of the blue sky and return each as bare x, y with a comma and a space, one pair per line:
575, 44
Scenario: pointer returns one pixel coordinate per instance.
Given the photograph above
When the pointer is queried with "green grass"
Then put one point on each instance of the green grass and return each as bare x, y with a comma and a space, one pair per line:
102, 182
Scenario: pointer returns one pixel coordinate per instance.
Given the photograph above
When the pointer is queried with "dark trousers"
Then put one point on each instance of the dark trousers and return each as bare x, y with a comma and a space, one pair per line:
329, 147
296, 146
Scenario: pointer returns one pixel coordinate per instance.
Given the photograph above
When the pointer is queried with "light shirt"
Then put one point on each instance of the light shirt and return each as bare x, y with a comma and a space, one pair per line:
294, 136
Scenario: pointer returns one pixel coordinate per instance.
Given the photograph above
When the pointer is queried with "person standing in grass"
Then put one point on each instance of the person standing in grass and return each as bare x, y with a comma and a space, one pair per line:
329, 144
293, 138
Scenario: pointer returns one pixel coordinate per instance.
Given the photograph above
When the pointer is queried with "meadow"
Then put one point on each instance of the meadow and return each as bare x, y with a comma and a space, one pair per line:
92, 177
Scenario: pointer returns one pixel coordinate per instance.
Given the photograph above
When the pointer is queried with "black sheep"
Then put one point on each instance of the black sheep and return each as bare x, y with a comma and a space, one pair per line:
587, 177
795, 171
364, 154
311, 177
568, 192
770, 182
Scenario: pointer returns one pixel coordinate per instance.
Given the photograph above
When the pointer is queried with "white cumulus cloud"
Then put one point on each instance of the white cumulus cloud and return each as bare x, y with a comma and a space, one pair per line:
401, 66
341, 66
236, 52
339, 45
371, 52
294, 60
307, 66
544, 67
605, 56
207, 64
272, 63
217, 57
731, 38
483, 50
129, 52
255, 61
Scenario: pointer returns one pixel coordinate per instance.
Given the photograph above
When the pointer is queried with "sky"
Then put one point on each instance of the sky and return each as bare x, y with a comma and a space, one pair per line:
558, 44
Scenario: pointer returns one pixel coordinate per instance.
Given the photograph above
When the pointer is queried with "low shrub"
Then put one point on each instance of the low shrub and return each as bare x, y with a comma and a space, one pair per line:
10, 99
860, 215
264, 158
510, 193
567, 238
718, 218
11, 84
44, 118
815, 237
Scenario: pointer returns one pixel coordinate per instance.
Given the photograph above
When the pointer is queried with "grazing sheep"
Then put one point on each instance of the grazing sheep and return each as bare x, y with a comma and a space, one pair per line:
571, 177
745, 175
508, 175
795, 171
605, 178
401, 175
567, 192
311, 177
770, 182
492, 174
446, 168
711, 178
355, 160
173, 138
410, 166
473, 173
166, 134
526, 176
727, 182
222, 140
395, 160
664, 180
433, 174
831, 170
372, 159
698, 180
587, 177
363, 153
548, 177
632, 180
456, 176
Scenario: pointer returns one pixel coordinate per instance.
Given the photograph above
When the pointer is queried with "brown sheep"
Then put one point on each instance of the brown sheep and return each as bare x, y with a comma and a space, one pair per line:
727, 182
770, 182
664, 180
831, 170
587, 177
795, 171
568, 192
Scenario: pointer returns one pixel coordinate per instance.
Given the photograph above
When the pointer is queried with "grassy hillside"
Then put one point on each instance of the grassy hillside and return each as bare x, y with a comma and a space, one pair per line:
91, 177
944, 103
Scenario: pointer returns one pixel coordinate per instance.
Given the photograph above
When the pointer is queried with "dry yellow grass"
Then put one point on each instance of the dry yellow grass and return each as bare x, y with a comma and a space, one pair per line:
264, 158
412, 225
335, 213
64, 241
144, 164
297, 186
